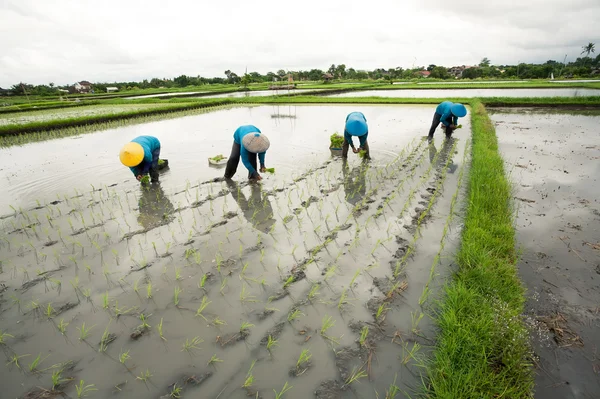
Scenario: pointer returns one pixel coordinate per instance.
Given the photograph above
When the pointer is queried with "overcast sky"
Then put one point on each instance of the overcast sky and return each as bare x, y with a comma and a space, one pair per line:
64, 41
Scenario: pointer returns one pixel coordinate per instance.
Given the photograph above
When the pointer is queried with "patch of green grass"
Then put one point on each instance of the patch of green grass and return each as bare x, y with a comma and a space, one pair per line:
482, 348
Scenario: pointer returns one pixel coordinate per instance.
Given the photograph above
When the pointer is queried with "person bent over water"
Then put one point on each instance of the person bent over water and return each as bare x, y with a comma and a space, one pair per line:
141, 156
248, 144
447, 113
356, 125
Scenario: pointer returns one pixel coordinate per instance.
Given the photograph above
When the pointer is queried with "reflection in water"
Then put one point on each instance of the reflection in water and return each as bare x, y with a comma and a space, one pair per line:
155, 207
257, 209
446, 147
355, 181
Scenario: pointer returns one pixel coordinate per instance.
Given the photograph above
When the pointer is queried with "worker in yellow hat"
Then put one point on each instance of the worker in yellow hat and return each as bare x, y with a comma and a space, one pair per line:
141, 156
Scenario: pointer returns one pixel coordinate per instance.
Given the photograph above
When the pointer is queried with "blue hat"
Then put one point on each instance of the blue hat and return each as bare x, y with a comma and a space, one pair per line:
356, 127
458, 110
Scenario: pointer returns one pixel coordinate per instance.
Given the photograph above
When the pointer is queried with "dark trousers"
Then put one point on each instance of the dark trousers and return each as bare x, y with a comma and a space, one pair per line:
234, 160
437, 118
346, 146
154, 167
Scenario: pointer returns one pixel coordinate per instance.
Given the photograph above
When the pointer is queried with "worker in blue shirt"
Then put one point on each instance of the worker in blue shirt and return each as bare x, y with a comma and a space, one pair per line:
356, 125
248, 144
141, 156
447, 113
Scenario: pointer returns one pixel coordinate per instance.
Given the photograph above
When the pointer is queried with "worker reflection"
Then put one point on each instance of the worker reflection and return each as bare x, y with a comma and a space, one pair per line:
257, 209
155, 207
355, 181
442, 157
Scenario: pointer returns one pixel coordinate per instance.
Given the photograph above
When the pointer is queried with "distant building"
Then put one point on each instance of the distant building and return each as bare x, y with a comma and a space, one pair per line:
423, 74
111, 89
327, 77
457, 71
81, 87
4, 92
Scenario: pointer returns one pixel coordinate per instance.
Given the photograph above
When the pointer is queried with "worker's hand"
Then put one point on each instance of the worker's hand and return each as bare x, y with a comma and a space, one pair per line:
354, 150
263, 169
257, 177
139, 177
452, 127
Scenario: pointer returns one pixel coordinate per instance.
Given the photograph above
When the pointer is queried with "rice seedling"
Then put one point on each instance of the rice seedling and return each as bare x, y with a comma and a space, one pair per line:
3, 337
218, 322
271, 343
123, 357
105, 301
33, 366
415, 319
160, 330
176, 295
223, 285
314, 292
326, 324
205, 302
410, 353
246, 326
284, 390
303, 359
343, 299
214, 359
294, 314
363, 335
356, 374
144, 325
176, 392
249, 381
380, 314
62, 326
144, 376
149, 290
178, 274
105, 340
190, 344
289, 281
57, 378
83, 390
84, 332
246, 297
121, 311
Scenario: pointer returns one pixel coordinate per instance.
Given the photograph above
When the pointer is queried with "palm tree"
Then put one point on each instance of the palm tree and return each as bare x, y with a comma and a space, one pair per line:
589, 48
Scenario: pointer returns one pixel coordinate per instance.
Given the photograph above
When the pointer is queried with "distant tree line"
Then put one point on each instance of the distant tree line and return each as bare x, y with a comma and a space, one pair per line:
585, 66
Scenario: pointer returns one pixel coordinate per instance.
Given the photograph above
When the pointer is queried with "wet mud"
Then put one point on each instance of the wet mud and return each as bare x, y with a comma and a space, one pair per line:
553, 158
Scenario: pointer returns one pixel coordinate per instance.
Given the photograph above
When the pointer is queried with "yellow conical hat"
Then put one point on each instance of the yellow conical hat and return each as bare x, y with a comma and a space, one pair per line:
132, 154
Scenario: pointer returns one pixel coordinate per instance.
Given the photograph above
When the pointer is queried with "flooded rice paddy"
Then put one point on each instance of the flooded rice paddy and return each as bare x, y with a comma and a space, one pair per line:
23, 118
258, 93
319, 280
471, 93
553, 157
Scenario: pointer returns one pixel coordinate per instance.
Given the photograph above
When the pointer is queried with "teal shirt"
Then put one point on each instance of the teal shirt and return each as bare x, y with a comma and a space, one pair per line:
245, 154
447, 117
150, 145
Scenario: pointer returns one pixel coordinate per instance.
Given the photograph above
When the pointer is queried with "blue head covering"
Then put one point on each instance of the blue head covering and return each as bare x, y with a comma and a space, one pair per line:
458, 110
356, 125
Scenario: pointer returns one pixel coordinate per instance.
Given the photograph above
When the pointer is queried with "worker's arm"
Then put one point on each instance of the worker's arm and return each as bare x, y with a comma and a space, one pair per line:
363, 139
348, 138
246, 162
455, 120
445, 117
261, 158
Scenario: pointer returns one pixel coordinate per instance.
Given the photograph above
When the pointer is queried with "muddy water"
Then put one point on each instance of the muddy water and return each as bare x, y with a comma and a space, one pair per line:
469, 93
319, 240
554, 162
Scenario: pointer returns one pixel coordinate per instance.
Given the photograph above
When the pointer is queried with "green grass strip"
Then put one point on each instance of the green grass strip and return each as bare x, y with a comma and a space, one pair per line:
482, 348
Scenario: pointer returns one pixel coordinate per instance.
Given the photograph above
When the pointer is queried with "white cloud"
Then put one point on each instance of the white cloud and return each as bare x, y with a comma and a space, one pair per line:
63, 41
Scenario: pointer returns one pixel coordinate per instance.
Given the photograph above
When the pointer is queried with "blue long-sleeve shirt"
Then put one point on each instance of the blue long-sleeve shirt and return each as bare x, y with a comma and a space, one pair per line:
444, 109
150, 145
348, 136
245, 154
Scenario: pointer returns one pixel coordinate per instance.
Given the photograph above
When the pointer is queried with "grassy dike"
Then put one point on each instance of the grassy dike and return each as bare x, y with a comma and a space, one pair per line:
482, 349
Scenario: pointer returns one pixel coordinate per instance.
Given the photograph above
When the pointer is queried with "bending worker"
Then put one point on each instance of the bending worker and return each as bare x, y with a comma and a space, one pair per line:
447, 113
248, 143
141, 156
356, 125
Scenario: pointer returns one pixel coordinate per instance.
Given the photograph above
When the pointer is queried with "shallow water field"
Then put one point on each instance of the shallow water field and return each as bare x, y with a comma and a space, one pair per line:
471, 93
553, 158
317, 282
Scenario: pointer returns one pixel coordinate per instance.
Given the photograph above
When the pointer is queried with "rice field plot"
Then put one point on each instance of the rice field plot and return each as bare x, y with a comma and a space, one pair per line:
24, 118
316, 283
